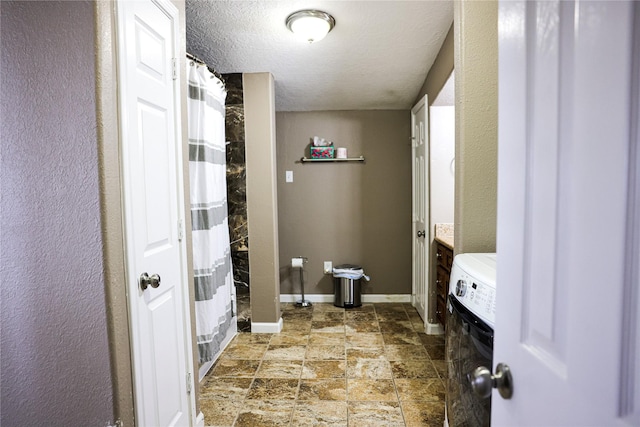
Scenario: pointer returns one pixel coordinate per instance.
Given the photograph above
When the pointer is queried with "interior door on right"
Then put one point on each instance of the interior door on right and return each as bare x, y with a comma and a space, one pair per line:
420, 173
568, 309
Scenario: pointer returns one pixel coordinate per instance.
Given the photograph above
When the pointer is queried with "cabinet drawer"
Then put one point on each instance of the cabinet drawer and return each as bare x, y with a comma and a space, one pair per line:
440, 255
440, 310
444, 257
448, 258
444, 260
442, 281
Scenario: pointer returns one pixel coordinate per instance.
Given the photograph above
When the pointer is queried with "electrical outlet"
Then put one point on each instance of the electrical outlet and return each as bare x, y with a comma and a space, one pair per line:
328, 267
288, 176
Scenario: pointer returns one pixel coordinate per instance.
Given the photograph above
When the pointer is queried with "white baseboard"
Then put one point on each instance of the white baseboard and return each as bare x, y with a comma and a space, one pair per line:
446, 418
433, 329
312, 298
329, 298
267, 327
200, 420
386, 298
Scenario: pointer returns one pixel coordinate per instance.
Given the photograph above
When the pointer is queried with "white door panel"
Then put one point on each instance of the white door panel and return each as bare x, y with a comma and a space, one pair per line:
567, 301
153, 200
155, 171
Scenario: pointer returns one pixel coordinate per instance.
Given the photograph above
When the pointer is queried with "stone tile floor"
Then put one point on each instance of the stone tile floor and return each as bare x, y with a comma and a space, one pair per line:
367, 366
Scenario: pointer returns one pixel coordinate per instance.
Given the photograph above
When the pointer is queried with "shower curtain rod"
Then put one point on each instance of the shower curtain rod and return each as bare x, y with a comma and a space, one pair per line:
201, 62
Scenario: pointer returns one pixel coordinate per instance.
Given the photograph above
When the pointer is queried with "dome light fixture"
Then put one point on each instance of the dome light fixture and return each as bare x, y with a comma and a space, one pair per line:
310, 25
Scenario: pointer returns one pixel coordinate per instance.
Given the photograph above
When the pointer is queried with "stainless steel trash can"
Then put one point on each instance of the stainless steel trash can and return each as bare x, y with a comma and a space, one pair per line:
347, 291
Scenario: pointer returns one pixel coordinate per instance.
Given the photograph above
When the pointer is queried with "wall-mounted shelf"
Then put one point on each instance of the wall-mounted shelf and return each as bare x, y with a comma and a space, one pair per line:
348, 159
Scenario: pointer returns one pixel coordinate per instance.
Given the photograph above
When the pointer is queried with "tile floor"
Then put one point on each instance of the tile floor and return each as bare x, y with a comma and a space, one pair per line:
368, 366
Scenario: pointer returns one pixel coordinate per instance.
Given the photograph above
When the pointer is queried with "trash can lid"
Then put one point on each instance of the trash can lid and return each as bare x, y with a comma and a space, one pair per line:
349, 271
348, 267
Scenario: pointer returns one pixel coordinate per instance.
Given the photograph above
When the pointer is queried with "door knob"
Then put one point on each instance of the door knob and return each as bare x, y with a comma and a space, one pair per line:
146, 281
421, 233
482, 381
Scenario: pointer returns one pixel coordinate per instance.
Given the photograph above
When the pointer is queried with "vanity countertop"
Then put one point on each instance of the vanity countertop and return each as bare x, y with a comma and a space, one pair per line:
444, 234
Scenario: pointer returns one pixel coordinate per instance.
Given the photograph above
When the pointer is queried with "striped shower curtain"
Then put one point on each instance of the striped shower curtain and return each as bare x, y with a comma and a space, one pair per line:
213, 281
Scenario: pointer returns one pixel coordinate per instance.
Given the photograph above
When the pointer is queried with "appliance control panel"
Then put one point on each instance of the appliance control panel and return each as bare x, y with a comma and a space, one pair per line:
477, 297
473, 284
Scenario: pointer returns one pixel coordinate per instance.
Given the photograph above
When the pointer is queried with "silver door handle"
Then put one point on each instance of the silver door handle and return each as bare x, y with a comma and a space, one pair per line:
146, 281
482, 381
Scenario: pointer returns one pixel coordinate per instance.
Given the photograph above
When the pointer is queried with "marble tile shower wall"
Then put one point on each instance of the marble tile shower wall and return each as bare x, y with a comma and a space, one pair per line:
237, 192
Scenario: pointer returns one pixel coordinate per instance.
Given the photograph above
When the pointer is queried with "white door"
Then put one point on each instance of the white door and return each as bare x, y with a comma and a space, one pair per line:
420, 171
567, 312
154, 212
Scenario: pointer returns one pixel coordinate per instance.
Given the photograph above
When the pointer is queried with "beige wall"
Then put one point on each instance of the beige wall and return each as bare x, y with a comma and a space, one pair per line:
262, 196
346, 212
476, 87
440, 70
111, 207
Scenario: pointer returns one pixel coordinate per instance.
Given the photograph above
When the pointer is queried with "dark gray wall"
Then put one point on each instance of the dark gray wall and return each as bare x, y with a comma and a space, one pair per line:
346, 212
55, 353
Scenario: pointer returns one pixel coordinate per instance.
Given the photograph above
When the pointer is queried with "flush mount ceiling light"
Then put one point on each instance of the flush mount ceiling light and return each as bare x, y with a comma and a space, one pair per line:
310, 25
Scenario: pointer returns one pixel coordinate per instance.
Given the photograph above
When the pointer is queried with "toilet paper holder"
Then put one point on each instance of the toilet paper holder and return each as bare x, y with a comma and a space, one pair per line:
298, 262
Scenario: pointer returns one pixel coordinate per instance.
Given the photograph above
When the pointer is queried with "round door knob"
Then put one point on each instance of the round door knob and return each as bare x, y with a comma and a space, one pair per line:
482, 381
421, 233
146, 280
155, 280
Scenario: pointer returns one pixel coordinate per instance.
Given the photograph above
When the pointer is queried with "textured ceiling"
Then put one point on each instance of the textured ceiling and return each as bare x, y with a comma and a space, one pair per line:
377, 56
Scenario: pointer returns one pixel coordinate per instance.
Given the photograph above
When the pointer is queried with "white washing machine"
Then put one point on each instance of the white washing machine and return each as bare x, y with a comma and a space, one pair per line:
471, 309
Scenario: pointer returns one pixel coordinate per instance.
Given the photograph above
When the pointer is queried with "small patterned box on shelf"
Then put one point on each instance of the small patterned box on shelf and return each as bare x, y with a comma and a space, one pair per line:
322, 152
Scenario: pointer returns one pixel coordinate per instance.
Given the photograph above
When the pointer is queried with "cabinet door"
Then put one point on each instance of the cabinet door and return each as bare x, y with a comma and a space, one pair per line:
442, 286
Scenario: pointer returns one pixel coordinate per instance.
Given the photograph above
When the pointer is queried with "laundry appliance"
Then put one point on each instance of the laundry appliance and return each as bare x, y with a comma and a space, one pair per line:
470, 321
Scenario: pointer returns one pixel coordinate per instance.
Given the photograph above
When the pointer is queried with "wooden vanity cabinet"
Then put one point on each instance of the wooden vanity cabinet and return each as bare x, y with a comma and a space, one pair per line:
444, 261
